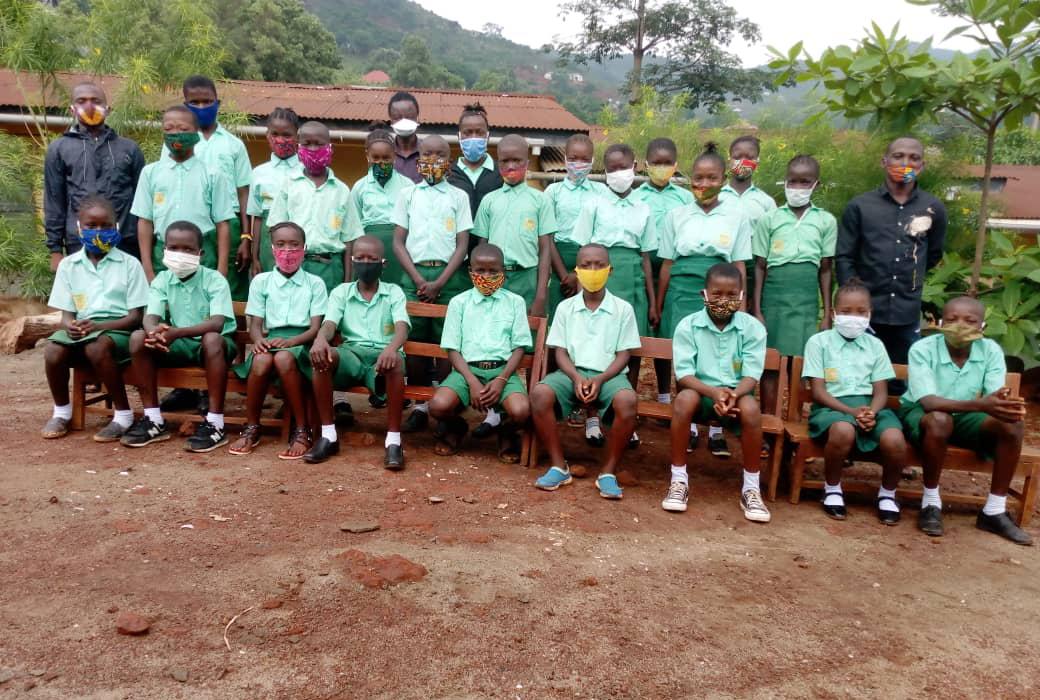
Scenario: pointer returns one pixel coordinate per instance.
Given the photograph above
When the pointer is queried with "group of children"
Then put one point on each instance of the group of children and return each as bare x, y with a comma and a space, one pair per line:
607, 263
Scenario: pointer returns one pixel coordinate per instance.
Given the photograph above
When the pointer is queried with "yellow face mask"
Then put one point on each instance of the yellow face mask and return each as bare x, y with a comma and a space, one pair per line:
592, 280
660, 175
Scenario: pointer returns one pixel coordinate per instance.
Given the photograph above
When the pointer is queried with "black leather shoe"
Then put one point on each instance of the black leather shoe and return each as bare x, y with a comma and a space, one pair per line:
888, 517
394, 458
416, 421
484, 430
1004, 526
344, 413
322, 450
180, 400
835, 512
691, 445
929, 520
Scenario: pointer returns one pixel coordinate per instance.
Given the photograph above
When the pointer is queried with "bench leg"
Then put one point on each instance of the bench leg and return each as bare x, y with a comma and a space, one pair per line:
776, 461
1029, 492
79, 400
525, 447
797, 472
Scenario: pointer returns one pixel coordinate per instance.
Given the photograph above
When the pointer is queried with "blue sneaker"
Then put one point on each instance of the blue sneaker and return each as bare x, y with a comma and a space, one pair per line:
553, 479
608, 487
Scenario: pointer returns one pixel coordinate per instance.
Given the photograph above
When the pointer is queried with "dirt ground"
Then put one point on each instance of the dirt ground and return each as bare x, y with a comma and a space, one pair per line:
503, 592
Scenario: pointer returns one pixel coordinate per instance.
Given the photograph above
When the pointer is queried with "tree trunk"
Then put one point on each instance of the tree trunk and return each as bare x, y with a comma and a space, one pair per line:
22, 333
637, 53
980, 236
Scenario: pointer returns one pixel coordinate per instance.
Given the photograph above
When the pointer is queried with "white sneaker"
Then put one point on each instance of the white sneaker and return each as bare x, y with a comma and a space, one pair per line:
678, 494
754, 509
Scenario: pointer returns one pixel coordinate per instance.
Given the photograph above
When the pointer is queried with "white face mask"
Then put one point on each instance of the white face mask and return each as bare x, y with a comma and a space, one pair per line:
181, 264
404, 127
798, 197
851, 327
621, 180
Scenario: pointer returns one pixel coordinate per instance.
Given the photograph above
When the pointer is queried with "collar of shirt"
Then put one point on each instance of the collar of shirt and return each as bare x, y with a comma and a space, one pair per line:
300, 175
292, 162
486, 164
113, 256
354, 293
883, 193
514, 189
585, 184
728, 188
622, 201
188, 281
649, 187
441, 186
479, 298
607, 306
976, 354
701, 319
787, 208
184, 164
296, 278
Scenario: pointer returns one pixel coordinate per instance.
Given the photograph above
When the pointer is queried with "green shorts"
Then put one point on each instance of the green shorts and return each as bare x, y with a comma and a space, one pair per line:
187, 352
822, 418
298, 351
705, 414
457, 383
120, 339
327, 266
567, 402
428, 330
523, 282
967, 429
357, 367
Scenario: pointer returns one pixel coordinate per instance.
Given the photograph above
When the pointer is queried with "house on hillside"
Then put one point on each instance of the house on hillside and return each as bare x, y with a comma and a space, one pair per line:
376, 77
1016, 189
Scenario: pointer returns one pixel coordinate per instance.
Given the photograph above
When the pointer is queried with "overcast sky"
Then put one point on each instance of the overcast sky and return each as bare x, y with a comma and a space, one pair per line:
819, 23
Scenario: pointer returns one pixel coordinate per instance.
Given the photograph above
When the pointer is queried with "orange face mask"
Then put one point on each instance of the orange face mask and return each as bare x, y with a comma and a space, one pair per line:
89, 115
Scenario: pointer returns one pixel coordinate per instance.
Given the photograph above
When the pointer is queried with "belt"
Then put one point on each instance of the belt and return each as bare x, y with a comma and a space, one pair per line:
431, 263
320, 257
491, 364
514, 268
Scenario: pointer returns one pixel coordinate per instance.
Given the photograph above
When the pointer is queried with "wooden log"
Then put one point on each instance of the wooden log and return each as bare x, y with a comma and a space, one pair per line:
24, 332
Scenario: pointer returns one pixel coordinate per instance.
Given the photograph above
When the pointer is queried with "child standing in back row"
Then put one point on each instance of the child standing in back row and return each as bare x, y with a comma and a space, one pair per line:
743, 162
269, 180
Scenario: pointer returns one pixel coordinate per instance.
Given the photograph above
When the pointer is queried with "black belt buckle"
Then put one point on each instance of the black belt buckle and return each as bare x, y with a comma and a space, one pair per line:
513, 268
491, 364
431, 263
320, 257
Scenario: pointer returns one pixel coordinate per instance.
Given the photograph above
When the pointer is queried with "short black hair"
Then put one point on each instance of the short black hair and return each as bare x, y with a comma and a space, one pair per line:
622, 148
285, 114
578, 138
805, 159
96, 200
663, 144
199, 81
488, 249
181, 109
711, 152
724, 270
600, 246
854, 285
473, 110
379, 134
186, 226
747, 138
402, 96
288, 224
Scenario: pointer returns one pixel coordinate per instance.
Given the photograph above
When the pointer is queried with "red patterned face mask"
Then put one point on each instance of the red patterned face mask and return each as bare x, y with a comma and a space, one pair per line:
282, 146
488, 284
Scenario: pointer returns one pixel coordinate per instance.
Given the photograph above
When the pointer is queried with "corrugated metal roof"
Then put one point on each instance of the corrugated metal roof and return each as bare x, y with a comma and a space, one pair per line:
1019, 195
359, 104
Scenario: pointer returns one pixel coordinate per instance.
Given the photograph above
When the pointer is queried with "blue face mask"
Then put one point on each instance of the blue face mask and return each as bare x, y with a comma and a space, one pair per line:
99, 241
206, 115
473, 149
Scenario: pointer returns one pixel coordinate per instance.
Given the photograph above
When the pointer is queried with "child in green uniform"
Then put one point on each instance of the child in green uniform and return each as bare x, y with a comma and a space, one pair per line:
101, 293
719, 354
181, 187
693, 238
269, 180
284, 311
189, 322
372, 201
485, 334
370, 316
743, 161
318, 202
519, 219
849, 371
592, 334
794, 254
957, 397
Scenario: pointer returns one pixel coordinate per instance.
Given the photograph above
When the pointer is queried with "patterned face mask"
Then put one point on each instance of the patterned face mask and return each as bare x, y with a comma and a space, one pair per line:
433, 170
578, 170
488, 284
722, 310
284, 147
706, 195
743, 168
99, 241
382, 172
660, 175
960, 334
316, 160
90, 115
180, 143
901, 173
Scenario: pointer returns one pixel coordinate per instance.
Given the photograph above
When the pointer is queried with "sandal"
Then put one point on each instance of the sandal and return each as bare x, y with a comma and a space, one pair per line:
299, 436
509, 446
247, 440
449, 436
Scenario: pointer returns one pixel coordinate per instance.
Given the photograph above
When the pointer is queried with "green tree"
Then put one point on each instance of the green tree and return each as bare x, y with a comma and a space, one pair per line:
496, 81
382, 59
416, 67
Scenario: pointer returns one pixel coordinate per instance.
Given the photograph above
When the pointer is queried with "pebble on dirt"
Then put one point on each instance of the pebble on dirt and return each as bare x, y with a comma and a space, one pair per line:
359, 527
131, 624
180, 675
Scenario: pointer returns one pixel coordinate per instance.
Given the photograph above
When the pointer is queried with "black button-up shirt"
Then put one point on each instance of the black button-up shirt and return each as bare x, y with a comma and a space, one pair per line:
890, 246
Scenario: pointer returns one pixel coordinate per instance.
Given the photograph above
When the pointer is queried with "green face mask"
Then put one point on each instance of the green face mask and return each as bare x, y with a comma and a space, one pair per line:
182, 142
960, 334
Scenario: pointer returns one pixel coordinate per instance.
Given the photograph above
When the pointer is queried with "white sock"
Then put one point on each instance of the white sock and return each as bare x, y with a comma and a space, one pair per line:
714, 431
931, 498
664, 398
592, 427
124, 418
422, 406
492, 418
63, 411
750, 481
693, 429
154, 415
216, 420
392, 439
832, 494
329, 432
679, 474
995, 505
887, 504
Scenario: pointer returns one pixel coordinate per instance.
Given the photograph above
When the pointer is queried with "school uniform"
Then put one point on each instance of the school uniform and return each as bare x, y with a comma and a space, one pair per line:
433, 215
287, 305
107, 291
849, 369
694, 240
265, 184
169, 191
793, 248
661, 201
719, 358
485, 330
370, 212
322, 213
592, 340
514, 217
567, 199
753, 201
477, 183
626, 227
933, 373
189, 302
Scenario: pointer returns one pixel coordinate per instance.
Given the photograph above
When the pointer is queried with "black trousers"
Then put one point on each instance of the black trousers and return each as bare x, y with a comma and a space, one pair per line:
897, 341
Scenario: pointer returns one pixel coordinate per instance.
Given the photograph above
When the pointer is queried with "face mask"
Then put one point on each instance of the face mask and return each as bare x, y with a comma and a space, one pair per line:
404, 127
433, 171
578, 170
743, 168
207, 116
90, 115
592, 280
316, 160
902, 173
488, 284
473, 149
367, 271
181, 143
382, 172
798, 196
282, 146
660, 175
722, 310
514, 175
851, 327
960, 334
289, 260
99, 240
621, 180
181, 264
706, 195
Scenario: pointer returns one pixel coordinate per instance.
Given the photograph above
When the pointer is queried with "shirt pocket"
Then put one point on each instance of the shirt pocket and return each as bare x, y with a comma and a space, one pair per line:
830, 375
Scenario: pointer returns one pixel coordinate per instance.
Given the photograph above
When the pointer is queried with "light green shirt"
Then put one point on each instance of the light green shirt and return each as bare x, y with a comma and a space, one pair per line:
724, 232
287, 302
321, 211
367, 323
433, 215
225, 153
169, 191
754, 201
184, 303
107, 291
615, 221
267, 182
848, 367
781, 237
486, 328
662, 201
474, 173
933, 372
593, 339
719, 358
513, 218
568, 198
372, 203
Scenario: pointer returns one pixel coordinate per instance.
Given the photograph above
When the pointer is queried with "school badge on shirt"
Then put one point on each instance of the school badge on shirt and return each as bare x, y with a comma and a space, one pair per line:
159, 198
830, 374
529, 224
388, 329
337, 222
778, 245
449, 224
738, 365
724, 239
79, 301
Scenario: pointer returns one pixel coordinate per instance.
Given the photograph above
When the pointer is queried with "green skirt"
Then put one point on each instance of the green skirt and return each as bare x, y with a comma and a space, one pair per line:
791, 306
327, 266
628, 282
683, 296
121, 340
385, 232
298, 351
822, 418
569, 253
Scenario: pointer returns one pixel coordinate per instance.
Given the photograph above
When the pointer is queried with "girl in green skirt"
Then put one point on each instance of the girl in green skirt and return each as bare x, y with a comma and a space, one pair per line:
268, 181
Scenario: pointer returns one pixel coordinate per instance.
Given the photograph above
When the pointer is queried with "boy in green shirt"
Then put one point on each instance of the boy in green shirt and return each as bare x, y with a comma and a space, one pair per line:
956, 396
101, 293
189, 322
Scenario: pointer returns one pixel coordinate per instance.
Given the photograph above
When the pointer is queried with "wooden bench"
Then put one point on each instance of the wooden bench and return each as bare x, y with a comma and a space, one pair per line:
796, 429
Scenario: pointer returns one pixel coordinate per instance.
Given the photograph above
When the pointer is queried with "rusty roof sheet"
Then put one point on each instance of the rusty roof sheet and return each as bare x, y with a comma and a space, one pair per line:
1019, 196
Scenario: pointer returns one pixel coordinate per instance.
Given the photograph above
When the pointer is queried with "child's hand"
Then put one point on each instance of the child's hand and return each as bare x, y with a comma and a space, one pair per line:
321, 354
491, 394
591, 387
275, 343
654, 317
429, 292
261, 346
255, 268
726, 403
569, 285
1002, 406
84, 328
387, 361
475, 390
244, 256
